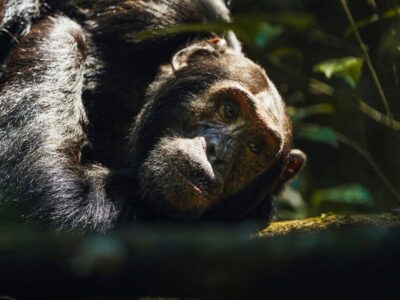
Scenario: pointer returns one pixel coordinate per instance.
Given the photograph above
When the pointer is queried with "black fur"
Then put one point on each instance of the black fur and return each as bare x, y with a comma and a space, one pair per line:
69, 97
16, 18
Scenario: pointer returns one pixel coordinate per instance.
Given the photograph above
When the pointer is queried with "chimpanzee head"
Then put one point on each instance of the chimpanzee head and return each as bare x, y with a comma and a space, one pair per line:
213, 126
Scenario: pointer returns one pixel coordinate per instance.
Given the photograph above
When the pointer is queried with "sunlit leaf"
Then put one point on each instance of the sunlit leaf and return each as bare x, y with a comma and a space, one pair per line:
347, 68
317, 133
300, 113
352, 194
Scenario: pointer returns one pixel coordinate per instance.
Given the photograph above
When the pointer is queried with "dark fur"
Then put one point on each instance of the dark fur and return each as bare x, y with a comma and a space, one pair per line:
68, 100
16, 17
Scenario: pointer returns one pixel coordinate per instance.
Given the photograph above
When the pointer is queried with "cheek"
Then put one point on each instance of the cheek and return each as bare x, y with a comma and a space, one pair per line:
245, 170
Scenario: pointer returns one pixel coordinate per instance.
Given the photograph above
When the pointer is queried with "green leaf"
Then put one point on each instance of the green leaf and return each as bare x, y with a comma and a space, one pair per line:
250, 28
266, 34
317, 133
389, 46
352, 194
182, 28
388, 14
283, 52
347, 68
299, 113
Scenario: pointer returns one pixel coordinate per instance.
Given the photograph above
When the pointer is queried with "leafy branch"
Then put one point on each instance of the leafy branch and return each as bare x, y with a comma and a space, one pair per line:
329, 136
367, 57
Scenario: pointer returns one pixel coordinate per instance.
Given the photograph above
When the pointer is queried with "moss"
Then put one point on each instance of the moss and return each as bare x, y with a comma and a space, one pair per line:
330, 222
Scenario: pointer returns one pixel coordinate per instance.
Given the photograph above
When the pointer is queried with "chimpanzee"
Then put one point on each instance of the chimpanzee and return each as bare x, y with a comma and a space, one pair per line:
100, 128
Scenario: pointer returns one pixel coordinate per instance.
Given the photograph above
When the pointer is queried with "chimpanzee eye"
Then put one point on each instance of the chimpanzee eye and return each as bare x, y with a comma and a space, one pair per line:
255, 147
229, 112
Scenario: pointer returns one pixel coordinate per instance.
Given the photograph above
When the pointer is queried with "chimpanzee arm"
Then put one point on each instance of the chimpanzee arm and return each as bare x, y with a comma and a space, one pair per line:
42, 122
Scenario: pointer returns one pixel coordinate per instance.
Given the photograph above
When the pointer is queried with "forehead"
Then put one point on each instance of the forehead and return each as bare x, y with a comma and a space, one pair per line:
249, 74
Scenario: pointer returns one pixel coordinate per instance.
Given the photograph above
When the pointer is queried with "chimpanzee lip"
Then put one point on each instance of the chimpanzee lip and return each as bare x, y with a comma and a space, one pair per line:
187, 180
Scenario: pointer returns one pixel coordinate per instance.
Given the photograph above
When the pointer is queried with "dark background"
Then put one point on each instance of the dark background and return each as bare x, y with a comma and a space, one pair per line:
352, 159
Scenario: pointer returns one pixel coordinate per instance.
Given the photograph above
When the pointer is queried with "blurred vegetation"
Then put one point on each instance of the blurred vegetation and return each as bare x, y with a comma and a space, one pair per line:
349, 259
336, 63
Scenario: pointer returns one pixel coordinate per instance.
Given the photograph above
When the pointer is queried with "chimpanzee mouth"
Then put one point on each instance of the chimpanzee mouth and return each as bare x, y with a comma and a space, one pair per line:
188, 181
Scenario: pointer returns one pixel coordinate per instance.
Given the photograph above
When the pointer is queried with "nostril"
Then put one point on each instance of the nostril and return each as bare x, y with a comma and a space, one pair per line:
211, 154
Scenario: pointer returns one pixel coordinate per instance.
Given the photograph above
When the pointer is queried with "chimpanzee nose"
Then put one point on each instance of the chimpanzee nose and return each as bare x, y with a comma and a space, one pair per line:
218, 151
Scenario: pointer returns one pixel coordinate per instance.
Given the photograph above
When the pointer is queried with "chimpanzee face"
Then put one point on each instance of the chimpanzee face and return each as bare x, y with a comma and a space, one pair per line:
223, 124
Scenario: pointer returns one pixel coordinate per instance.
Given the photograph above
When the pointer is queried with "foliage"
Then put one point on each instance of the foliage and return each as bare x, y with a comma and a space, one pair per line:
317, 133
338, 72
347, 68
346, 194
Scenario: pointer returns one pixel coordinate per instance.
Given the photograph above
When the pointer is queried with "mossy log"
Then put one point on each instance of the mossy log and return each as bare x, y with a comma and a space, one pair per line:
311, 258
330, 222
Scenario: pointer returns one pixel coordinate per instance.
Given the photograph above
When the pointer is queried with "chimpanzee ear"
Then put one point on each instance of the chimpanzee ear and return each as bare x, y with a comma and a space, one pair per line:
295, 161
182, 58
